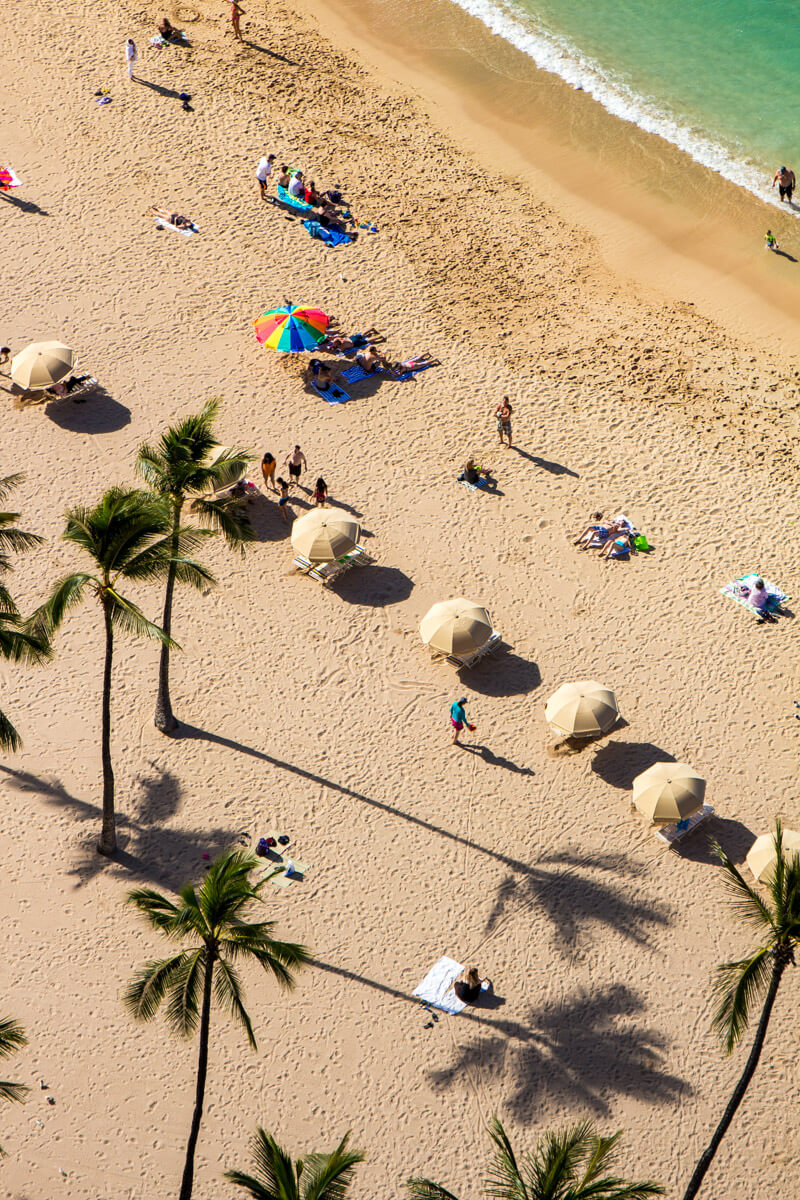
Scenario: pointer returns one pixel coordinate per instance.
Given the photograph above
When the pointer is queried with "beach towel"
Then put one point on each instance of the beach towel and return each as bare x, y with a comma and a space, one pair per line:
437, 986
334, 394
293, 201
329, 236
166, 225
775, 597
354, 374
480, 486
9, 179
412, 368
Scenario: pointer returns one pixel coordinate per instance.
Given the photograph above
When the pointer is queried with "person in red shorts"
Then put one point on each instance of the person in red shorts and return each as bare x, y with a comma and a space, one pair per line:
458, 719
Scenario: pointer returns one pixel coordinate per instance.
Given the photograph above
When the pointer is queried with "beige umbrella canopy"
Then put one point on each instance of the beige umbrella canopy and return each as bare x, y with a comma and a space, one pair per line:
42, 364
668, 792
457, 627
323, 535
582, 709
762, 857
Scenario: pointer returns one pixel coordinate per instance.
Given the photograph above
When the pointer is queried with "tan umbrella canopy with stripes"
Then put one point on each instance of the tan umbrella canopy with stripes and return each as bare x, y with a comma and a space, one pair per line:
325, 535
42, 364
668, 792
582, 709
458, 627
762, 856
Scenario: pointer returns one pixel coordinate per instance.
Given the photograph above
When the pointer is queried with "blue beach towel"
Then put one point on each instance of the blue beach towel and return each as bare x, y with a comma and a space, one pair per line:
734, 591
333, 394
354, 374
292, 201
329, 236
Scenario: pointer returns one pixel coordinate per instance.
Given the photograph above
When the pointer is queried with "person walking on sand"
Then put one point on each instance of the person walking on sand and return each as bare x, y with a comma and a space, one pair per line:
263, 172
502, 416
296, 462
786, 183
236, 12
131, 55
283, 502
458, 719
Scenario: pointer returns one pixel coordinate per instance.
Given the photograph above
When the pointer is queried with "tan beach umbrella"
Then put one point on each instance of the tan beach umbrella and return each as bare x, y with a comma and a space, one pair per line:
582, 709
762, 857
323, 535
456, 627
42, 364
668, 792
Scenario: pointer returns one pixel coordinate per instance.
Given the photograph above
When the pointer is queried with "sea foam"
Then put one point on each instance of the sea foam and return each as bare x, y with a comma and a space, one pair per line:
558, 55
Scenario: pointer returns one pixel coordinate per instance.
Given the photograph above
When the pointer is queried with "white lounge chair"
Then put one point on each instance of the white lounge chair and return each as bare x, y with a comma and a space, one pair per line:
325, 573
469, 660
671, 834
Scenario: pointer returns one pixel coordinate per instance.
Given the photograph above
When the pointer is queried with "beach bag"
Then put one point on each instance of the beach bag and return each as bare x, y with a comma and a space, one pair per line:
640, 542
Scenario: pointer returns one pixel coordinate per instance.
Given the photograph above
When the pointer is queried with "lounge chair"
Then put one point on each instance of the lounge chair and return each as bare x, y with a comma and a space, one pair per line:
325, 573
678, 830
469, 660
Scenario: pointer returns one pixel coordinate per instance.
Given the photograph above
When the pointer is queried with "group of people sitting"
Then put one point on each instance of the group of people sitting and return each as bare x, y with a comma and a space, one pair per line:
614, 539
329, 206
322, 374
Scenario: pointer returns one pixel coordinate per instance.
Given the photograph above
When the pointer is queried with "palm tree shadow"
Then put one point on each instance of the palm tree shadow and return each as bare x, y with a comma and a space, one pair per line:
586, 1051
575, 898
148, 851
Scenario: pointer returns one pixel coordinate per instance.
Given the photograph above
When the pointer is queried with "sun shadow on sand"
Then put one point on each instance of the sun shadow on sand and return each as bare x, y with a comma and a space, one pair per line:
148, 851
618, 763
734, 838
265, 517
501, 675
100, 414
26, 206
373, 586
495, 760
578, 892
544, 464
588, 1050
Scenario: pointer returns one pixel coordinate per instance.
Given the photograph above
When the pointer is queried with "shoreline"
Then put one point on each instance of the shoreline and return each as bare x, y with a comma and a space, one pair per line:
660, 219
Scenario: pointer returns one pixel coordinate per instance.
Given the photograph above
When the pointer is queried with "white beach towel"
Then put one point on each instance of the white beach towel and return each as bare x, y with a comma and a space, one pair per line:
13, 181
166, 225
437, 986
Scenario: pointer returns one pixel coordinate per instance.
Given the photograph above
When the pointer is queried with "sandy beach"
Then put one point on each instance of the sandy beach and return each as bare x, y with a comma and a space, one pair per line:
318, 712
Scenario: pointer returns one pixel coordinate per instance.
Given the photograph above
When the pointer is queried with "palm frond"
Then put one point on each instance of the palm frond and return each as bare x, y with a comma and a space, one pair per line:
150, 985
9, 482
12, 1036
66, 595
9, 737
504, 1180
186, 993
738, 986
16, 541
129, 617
160, 911
275, 1177
595, 1185
329, 1176
426, 1189
229, 996
227, 516
744, 899
12, 1091
18, 643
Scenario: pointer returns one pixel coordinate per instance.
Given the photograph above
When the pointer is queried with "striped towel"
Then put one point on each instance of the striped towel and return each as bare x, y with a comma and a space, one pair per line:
354, 374
734, 592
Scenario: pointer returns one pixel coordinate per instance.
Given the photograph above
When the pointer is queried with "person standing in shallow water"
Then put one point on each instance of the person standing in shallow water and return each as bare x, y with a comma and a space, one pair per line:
786, 183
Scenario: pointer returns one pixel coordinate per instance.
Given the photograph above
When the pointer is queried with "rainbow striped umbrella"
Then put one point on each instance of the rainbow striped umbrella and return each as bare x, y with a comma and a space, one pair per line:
291, 329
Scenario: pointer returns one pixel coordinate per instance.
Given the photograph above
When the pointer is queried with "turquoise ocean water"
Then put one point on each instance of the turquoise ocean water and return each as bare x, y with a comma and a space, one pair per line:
715, 77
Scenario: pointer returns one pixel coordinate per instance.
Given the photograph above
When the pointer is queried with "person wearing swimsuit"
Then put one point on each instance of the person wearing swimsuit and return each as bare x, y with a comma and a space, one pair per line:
268, 466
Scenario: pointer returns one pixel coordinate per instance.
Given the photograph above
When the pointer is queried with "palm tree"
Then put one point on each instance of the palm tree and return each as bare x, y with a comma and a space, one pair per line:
211, 918
12, 1038
128, 536
15, 642
189, 465
754, 978
568, 1165
315, 1177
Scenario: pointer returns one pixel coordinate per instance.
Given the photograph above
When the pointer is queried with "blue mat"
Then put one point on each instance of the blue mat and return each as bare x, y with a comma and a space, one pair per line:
333, 394
354, 374
292, 201
329, 236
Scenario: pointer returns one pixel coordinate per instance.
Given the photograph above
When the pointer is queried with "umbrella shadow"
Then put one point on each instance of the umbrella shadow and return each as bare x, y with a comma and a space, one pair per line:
567, 747
148, 851
100, 414
585, 1051
26, 206
618, 763
373, 586
734, 838
503, 674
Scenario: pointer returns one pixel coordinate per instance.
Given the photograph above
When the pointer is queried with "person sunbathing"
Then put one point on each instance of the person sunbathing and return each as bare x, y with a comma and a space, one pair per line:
469, 985
619, 545
174, 219
320, 374
371, 360
759, 596
414, 364
338, 343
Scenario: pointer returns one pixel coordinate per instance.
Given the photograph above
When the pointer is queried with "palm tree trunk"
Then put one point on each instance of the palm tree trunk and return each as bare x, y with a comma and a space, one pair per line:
202, 1067
778, 967
165, 718
108, 833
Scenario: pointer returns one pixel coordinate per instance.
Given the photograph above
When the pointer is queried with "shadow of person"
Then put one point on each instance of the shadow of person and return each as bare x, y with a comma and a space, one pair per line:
495, 760
502, 675
354, 512
26, 206
170, 93
618, 763
553, 467
785, 254
100, 414
373, 586
272, 53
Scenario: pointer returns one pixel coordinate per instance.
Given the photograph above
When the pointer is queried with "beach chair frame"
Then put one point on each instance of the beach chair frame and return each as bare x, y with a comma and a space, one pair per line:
325, 573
